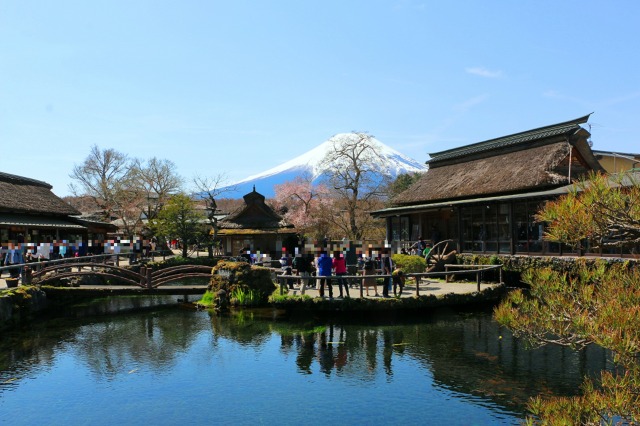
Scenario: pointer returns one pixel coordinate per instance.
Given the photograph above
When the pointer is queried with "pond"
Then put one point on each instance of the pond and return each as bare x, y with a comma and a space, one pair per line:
176, 366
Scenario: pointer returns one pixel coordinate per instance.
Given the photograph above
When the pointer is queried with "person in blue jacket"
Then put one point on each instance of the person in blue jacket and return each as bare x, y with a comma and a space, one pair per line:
325, 263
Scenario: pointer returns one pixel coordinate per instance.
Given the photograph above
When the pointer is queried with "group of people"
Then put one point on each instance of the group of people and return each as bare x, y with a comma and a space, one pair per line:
420, 248
326, 268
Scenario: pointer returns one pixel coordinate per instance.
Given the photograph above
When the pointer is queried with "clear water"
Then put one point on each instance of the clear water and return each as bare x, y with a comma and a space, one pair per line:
173, 366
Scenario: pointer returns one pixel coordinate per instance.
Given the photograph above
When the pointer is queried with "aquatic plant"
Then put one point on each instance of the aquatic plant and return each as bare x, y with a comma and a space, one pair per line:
245, 297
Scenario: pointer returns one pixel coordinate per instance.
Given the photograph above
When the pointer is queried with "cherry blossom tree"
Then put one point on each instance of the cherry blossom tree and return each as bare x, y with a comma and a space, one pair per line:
304, 205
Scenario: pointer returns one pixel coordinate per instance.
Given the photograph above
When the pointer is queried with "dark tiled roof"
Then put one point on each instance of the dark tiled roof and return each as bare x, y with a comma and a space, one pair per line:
565, 128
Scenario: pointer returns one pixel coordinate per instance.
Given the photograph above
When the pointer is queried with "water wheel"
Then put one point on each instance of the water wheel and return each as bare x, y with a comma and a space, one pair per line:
440, 256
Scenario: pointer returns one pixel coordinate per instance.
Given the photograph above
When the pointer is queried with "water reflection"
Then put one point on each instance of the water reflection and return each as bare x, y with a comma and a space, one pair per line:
465, 352
464, 356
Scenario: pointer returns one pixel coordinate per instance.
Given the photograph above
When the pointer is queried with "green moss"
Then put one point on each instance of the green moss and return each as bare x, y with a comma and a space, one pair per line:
240, 279
22, 302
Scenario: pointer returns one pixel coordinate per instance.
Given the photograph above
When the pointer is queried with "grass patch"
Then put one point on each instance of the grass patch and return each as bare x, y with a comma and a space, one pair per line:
207, 299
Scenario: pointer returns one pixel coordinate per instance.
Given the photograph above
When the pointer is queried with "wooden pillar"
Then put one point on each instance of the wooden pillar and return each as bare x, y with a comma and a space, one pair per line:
143, 276
148, 278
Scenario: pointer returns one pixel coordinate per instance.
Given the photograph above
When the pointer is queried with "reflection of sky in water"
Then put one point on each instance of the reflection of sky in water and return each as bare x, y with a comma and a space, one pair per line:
170, 367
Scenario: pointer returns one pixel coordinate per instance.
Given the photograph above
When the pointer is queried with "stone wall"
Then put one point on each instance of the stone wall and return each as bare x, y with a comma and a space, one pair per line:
513, 266
19, 304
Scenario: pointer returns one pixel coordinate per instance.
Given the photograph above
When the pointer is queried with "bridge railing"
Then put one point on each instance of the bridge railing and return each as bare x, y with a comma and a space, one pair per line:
478, 270
15, 270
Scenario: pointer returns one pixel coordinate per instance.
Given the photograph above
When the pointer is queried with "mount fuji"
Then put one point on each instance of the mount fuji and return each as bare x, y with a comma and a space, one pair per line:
391, 161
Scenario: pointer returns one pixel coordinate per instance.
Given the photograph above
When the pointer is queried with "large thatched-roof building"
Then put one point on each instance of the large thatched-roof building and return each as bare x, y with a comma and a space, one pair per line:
255, 226
484, 195
32, 215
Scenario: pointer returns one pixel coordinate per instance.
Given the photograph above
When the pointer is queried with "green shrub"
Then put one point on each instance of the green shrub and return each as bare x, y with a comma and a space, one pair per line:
409, 263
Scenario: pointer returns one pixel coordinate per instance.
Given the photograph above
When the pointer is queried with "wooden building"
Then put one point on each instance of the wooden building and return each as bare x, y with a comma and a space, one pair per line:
484, 196
616, 162
257, 227
34, 217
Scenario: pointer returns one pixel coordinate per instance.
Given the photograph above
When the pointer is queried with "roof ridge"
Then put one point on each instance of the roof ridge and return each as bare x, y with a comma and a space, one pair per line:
8, 177
515, 137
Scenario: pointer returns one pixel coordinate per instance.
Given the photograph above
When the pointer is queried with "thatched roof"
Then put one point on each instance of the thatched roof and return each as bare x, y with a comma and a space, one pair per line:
24, 195
528, 161
255, 214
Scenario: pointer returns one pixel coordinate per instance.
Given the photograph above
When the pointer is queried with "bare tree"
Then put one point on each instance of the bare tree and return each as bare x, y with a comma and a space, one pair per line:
209, 189
353, 171
103, 176
158, 180
124, 188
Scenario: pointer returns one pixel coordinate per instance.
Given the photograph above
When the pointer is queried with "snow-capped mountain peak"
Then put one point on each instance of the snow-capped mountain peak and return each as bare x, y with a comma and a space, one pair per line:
391, 161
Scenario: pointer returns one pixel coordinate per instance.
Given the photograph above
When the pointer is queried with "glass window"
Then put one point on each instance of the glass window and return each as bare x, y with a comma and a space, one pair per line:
478, 229
467, 228
504, 229
404, 228
521, 221
491, 223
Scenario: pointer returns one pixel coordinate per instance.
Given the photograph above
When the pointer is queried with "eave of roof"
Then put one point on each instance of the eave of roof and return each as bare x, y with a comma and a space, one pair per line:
244, 231
37, 222
393, 211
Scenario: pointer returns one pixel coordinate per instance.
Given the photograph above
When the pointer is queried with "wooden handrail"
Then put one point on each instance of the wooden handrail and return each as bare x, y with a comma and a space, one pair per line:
479, 269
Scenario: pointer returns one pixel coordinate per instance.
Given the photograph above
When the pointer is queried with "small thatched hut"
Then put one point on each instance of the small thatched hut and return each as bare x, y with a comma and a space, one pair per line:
484, 195
256, 227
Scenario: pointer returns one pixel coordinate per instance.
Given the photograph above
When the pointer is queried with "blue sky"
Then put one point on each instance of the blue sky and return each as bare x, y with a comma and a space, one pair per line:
238, 87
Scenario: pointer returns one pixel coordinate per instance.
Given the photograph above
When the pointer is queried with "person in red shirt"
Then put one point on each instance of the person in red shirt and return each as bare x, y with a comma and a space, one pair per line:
340, 268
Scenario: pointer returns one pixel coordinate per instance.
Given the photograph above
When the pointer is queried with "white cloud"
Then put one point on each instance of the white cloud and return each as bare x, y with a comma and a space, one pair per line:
483, 72
470, 103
